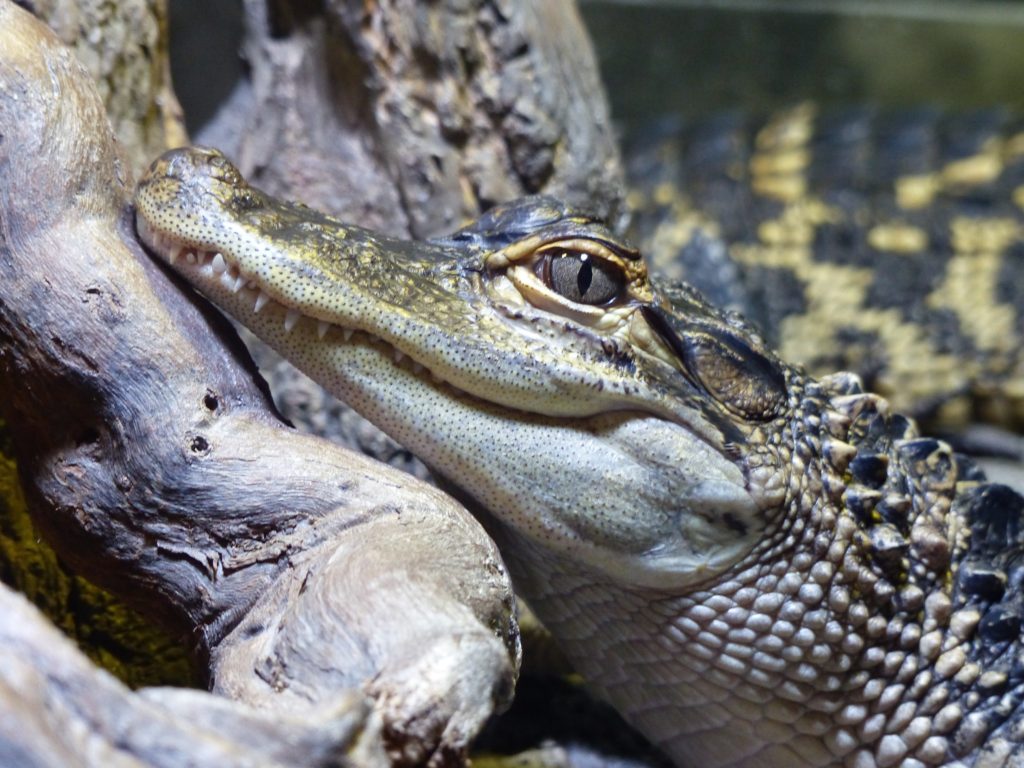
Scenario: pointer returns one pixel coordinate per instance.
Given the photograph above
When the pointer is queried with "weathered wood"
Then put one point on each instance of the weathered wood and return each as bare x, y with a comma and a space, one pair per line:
124, 47
409, 117
153, 461
59, 711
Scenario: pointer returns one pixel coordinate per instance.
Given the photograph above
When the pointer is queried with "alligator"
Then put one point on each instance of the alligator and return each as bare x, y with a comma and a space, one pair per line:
754, 566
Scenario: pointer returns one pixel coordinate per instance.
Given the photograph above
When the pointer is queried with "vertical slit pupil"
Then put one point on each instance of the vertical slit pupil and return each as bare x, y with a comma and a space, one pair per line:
585, 276
582, 278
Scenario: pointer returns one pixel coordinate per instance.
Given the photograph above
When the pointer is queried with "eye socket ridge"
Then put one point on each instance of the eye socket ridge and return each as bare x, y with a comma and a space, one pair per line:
580, 275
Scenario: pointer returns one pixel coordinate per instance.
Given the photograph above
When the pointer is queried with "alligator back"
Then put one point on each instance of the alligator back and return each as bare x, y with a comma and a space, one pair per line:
887, 244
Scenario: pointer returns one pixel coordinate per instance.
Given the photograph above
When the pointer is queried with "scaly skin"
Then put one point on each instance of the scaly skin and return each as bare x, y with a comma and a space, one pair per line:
756, 568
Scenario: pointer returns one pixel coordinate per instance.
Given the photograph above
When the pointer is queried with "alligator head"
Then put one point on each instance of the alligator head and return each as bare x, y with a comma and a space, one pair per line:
525, 357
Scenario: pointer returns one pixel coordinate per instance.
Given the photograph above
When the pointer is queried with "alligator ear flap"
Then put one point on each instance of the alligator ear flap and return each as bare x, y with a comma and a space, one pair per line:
742, 379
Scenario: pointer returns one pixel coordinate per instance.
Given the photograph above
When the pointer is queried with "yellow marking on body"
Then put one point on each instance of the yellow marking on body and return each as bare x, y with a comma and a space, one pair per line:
915, 371
982, 234
777, 167
982, 168
787, 189
836, 296
780, 163
798, 222
973, 272
673, 233
775, 232
788, 129
917, 191
897, 237
1013, 146
665, 193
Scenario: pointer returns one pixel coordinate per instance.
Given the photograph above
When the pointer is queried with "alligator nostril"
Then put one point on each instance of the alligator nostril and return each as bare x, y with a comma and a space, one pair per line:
210, 401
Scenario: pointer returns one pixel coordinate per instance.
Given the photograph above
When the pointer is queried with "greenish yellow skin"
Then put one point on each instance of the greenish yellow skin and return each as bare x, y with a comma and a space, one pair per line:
673, 499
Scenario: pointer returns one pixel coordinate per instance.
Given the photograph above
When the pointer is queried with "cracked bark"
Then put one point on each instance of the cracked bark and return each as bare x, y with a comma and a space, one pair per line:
411, 117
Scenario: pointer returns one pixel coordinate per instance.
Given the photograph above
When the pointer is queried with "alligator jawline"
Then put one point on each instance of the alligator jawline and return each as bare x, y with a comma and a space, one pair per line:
206, 266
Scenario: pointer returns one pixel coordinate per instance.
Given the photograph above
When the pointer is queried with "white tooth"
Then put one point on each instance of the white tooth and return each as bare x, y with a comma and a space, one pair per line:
239, 282
321, 328
173, 253
346, 333
398, 355
219, 265
261, 302
227, 281
190, 257
290, 319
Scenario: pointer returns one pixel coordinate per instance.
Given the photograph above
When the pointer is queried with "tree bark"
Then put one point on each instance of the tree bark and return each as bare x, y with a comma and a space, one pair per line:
124, 47
411, 117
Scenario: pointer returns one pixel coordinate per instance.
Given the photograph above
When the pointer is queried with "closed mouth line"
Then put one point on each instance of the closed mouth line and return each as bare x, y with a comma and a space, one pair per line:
209, 266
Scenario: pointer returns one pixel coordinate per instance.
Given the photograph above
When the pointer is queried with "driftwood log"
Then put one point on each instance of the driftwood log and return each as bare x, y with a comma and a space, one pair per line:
304, 576
154, 463
56, 709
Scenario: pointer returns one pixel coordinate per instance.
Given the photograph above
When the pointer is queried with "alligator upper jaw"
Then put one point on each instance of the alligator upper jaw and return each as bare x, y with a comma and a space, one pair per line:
219, 277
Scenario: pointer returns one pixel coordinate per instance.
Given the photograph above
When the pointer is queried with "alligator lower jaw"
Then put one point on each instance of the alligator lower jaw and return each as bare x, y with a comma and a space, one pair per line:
210, 270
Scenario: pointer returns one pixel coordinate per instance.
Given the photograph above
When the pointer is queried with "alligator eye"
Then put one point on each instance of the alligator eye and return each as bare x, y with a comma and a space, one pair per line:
581, 277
